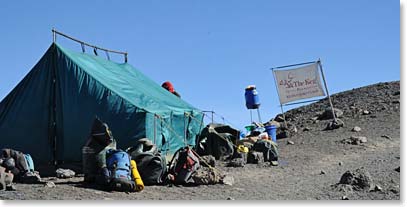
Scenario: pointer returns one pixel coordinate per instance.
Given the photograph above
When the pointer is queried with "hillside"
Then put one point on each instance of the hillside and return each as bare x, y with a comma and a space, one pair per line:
311, 165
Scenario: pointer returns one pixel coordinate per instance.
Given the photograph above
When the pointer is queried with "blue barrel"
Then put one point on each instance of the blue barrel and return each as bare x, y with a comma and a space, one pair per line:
252, 98
272, 131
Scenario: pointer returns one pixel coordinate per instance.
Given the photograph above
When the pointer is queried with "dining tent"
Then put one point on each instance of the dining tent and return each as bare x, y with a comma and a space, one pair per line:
49, 114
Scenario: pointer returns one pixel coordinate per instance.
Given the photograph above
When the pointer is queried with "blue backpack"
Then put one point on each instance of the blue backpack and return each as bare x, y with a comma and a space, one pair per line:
29, 161
119, 170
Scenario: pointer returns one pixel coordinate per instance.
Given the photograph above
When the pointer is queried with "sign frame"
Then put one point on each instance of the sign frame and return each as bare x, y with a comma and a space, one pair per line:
318, 62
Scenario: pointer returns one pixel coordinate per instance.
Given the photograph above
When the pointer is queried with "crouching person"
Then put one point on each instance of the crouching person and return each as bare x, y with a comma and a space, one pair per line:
20, 165
6, 179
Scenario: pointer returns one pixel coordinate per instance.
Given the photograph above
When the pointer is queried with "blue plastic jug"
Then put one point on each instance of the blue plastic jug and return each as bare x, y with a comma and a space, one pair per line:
252, 97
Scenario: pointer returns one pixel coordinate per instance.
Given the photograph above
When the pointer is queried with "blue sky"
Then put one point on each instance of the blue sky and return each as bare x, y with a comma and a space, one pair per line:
211, 50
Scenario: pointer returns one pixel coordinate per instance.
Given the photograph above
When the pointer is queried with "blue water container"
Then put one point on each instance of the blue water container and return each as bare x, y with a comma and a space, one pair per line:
252, 97
272, 132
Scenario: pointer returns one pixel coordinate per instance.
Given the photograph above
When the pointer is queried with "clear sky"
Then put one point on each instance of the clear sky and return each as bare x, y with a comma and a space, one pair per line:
211, 50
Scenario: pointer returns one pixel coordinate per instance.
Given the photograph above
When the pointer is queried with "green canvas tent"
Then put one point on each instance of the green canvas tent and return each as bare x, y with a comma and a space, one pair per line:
49, 114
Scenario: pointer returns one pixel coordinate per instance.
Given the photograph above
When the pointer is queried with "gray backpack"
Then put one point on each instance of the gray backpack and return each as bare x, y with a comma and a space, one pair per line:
150, 164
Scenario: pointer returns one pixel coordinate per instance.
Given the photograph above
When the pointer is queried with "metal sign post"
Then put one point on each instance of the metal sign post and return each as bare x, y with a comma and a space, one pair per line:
326, 89
281, 105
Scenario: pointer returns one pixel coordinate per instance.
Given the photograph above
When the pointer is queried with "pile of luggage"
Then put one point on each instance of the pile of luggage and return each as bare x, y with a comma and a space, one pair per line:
16, 166
142, 164
228, 144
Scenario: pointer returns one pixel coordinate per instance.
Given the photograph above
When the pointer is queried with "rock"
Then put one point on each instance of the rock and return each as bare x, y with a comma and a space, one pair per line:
207, 160
274, 163
228, 180
356, 129
290, 142
31, 177
314, 118
206, 176
283, 134
327, 114
377, 188
254, 157
340, 163
356, 140
344, 198
11, 188
236, 162
397, 169
397, 93
50, 184
230, 198
322, 172
396, 102
306, 129
359, 180
387, 137
65, 173
335, 125
366, 112
394, 190
279, 118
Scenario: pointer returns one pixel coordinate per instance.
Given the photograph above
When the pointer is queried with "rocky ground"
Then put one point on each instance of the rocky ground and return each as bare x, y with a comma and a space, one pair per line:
312, 160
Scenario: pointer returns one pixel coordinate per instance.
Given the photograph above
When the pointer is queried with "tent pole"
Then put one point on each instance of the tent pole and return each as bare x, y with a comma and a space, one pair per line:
155, 129
326, 88
54, 36
185, 131
55, 32
53, 111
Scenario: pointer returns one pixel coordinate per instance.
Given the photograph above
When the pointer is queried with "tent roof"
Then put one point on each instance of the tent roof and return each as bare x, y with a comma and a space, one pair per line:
129, 83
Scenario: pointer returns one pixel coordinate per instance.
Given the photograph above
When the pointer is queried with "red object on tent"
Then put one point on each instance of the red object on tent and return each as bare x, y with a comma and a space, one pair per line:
168, 85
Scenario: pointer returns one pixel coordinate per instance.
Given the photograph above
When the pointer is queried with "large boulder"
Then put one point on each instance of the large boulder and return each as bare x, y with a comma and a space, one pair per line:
360, 179
335, 124
327, 114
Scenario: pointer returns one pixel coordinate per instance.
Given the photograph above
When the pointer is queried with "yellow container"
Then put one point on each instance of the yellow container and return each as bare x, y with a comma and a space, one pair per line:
136, 176
242, 148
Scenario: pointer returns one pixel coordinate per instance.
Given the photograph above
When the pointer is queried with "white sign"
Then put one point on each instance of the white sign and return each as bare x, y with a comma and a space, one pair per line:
299, 83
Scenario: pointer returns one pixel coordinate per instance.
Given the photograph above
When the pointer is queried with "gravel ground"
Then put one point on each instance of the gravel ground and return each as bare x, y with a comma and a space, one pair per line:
310, 169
